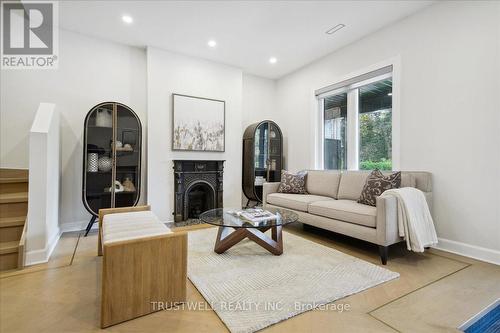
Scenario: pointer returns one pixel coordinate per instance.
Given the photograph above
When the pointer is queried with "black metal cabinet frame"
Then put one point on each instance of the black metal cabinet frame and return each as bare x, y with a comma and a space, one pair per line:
267, 138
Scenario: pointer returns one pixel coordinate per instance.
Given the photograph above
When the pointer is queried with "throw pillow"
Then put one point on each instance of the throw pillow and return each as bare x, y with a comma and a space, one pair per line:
376, 183
292, 183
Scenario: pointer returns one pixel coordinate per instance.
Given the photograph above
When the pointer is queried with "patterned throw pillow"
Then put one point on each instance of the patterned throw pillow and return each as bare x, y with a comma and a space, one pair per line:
292, 183
376, 184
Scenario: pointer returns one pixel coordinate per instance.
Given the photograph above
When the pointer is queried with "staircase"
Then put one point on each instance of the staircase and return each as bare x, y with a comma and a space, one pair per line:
13, 212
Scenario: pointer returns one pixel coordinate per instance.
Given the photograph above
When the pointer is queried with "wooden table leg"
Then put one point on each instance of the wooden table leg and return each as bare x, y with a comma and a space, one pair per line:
263, 240
227, 239
277, 235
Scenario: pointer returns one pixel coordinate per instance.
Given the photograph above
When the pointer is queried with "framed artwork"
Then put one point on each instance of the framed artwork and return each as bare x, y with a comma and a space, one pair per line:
198, 123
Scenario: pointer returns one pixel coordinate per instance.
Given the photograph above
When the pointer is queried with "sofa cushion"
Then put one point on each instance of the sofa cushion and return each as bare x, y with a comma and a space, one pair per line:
376, 184
324, 183
345, 210
294, 201
133, 225
292, 183
351, 184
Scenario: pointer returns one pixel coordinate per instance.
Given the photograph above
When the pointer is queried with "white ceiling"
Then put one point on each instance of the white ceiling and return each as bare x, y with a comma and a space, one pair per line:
248, 33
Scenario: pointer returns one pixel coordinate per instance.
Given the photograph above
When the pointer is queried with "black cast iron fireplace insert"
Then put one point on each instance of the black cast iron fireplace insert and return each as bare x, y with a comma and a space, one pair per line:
198, 187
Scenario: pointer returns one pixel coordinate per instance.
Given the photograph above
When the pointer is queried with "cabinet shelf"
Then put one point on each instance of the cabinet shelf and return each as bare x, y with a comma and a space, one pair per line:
107, 193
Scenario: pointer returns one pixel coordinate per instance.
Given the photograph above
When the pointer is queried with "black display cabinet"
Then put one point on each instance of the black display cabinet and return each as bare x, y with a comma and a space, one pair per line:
262, 158
111, 158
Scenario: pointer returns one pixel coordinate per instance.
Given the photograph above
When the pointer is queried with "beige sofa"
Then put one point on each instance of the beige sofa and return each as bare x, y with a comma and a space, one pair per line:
331, 204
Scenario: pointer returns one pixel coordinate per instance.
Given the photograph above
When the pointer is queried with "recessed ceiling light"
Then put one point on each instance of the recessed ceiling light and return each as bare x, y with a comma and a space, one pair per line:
273, 60
389, 94
127, 19
335, 29
212, 43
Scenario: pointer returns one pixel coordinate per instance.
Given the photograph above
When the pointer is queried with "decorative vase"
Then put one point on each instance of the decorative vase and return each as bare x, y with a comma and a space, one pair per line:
128, 185
104, 163
103, 118
92, 164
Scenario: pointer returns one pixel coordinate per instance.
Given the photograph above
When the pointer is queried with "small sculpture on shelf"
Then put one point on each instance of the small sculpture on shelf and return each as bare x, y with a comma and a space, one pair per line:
119, 146
118, 187
128, 185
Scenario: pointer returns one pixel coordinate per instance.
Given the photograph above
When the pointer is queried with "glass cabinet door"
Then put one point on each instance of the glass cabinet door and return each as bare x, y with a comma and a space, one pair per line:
261, 156
99, 158
274, 167
127, 152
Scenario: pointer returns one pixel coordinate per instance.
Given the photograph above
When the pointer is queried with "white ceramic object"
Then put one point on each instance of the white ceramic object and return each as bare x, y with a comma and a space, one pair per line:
259, 181
103, 118
92, 162
104, 163
118, 187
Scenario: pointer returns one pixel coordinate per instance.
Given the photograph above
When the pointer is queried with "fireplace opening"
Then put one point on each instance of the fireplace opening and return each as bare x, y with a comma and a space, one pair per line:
198, 187
200, 198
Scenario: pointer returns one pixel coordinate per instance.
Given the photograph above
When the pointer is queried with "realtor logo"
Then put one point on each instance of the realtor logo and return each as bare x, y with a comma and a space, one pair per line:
29, 35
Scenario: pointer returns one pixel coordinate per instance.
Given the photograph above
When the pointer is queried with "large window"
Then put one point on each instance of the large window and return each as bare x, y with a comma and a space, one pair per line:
357, 122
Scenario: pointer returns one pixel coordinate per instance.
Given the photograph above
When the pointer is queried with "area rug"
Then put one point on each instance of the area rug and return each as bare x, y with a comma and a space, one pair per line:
250, 289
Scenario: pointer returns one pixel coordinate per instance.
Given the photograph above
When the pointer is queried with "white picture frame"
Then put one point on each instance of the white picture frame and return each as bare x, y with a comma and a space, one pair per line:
198, 124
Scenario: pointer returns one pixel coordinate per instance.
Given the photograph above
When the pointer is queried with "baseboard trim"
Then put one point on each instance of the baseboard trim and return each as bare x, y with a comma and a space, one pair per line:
42, 256
467, 250
77, 226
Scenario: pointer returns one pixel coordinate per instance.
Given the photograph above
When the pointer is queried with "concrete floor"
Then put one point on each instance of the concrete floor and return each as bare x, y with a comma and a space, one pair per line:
436, 292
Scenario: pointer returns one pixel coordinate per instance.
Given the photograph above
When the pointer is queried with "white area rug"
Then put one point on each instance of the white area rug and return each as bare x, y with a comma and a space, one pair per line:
250, 289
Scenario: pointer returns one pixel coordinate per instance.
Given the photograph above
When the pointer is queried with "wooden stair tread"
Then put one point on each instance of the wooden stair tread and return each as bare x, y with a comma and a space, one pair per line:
13, 197
9, 247
9, 180
13, 176
12, 221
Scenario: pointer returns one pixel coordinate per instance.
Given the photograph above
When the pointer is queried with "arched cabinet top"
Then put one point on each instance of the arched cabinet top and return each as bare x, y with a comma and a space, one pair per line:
250, 130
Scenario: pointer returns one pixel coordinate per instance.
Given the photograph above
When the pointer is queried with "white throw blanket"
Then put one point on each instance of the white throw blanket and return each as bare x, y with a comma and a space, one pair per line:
415, 222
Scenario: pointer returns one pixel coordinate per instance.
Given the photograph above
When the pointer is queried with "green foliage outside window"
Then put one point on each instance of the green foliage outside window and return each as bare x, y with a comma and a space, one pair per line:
372, 165
375, 140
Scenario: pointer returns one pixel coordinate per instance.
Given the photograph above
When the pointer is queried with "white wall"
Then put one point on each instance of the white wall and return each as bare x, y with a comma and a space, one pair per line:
259, 101
170, 73
90, 71
450, 112
43, 205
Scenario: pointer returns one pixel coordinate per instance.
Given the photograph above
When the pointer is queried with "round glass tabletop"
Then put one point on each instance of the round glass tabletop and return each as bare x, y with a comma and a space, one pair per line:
239, 218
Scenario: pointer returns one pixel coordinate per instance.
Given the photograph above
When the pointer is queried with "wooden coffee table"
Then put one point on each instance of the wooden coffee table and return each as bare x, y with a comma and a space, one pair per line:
233, 229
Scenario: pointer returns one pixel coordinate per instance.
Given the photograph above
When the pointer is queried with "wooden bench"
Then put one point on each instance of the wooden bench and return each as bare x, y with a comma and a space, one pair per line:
143, 262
